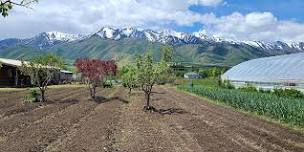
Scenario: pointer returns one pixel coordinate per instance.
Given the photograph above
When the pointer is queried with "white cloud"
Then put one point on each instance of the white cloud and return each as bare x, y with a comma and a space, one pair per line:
88, 16
82, 16
207, 2
255, 26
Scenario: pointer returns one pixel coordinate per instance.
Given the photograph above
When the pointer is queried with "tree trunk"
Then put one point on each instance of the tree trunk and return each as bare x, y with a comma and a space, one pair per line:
147, 100
93, 92
42, 95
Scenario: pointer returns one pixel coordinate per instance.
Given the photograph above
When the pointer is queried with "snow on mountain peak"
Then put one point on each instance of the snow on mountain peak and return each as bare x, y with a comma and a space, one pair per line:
201, 34
128, 31
172, 37
169, 32
59, 36
107, 32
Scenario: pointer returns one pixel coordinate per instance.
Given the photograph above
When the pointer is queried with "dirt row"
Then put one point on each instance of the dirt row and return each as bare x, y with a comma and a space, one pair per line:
71, 122
59, 125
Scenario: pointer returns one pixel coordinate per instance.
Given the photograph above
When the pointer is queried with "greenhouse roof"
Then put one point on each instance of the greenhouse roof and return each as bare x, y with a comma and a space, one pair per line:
283, 68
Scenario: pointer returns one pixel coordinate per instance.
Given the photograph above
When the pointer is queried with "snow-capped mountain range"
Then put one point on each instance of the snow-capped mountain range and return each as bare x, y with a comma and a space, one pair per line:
42, 40
179, 38
49, 39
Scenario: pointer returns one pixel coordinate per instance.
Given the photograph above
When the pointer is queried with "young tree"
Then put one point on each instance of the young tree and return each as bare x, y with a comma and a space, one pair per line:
6, 5
167, 53
166, 74
148, 74
167, 58
41, 70
110, 69
94, 72
129, 77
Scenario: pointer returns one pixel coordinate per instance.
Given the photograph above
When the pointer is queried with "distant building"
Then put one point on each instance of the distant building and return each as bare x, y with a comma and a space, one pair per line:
66, 76
192, 75
284, 71
11, 75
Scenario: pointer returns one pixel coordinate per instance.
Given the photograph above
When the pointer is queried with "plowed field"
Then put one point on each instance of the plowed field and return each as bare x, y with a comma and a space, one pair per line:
71, 122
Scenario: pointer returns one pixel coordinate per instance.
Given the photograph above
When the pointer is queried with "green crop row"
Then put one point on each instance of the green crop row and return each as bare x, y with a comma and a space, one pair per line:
287, 110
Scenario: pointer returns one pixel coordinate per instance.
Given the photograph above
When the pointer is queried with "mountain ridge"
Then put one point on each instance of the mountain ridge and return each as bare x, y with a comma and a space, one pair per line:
126, 43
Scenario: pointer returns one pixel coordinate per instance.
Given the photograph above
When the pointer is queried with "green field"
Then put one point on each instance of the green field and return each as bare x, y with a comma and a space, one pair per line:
283, 109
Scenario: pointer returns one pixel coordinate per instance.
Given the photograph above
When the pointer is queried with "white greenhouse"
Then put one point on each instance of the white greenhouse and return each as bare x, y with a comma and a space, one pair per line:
284, 71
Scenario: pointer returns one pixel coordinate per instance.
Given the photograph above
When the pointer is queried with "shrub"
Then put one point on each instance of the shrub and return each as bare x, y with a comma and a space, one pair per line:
107, 84
264, 91
249, 87
226, 84
288, 93
32, 96
212, 72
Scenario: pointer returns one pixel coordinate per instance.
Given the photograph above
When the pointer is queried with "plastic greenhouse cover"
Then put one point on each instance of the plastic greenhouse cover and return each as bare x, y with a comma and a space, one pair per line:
278, 69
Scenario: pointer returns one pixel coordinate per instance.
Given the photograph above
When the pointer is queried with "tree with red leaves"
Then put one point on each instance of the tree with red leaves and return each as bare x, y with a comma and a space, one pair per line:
95, 71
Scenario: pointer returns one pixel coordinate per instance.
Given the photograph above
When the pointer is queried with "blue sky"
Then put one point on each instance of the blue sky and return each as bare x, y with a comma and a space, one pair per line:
267, 20
283, 9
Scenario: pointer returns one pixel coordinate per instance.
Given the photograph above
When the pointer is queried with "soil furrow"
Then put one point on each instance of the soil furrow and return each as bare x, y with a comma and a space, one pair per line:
21, 121
96, 127
14, 104
39, 134
253, 133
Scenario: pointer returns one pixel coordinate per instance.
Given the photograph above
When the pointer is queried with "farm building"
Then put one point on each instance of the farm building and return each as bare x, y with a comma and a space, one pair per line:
11, 76
66, 76
284, 71
192, 75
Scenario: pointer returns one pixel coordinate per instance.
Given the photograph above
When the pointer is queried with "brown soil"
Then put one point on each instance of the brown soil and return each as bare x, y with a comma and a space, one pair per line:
70, 121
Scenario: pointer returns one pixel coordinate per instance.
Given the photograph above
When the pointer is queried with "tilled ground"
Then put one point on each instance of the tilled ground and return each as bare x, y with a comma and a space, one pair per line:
72, 122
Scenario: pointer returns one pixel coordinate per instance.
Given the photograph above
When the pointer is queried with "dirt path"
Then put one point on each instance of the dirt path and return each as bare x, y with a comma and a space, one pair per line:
72, 123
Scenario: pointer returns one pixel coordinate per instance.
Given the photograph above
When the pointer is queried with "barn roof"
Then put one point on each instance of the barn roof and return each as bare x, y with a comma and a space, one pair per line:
11, 62
66, 72
18, 63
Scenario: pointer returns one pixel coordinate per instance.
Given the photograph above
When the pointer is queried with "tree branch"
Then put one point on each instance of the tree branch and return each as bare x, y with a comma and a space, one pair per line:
23, 3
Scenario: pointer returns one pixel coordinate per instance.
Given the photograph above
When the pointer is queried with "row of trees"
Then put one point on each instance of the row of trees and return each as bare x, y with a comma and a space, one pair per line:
213, 72
144, 74
42, 70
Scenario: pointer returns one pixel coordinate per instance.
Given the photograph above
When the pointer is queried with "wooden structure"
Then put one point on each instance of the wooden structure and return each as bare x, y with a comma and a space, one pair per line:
11, 76
66, 77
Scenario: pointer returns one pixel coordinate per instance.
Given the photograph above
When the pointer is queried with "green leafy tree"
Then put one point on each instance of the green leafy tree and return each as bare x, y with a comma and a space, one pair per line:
129, 77
41, 70
7, 5
167, 75
148, 74
167, 53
